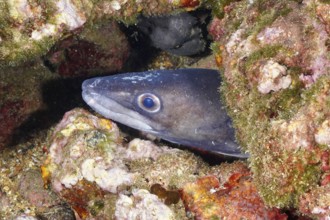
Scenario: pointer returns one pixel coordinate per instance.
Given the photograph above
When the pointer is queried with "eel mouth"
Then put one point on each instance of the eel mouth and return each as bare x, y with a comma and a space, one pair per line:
111, 109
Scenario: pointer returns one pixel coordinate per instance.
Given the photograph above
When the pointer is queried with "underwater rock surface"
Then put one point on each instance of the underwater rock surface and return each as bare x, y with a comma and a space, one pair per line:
236, 198
98, 48
276, 61
33, 99
20, 97
100, 176
30, 28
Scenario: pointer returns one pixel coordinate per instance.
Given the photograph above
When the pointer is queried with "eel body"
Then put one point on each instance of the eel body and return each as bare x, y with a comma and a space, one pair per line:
182, 106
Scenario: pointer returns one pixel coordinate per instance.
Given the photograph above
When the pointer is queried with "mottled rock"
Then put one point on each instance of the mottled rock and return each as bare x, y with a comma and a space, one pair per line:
316, 202
234, 197
30, 28
273, 77
97, 48
31, 187
87, 163
20, 97
142, 205
101, 177
275, 56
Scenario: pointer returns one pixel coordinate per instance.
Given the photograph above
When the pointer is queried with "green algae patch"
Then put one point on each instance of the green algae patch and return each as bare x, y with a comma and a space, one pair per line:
218, 6
267, 17
260, 108
29, 30
288, 173
172, 169
283, 172
263, 53
14, 54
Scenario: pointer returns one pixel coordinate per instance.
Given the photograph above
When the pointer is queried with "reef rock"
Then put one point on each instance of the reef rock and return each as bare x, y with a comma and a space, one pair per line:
102, 177
20, 98
276, 61
30, 28
97, 48
88, 166
234, 196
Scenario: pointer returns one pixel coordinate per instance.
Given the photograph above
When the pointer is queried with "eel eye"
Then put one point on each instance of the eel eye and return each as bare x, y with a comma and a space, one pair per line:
149, 102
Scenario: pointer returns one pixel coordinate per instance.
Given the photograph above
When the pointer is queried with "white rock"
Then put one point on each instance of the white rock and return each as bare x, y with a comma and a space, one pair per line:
322, 135
273, 77
25, 217
107, 179
139, 148
143, 206
71, 179
69, 15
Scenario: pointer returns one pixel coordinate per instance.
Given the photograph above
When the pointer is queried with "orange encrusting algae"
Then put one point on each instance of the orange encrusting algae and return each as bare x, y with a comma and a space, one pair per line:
237, 198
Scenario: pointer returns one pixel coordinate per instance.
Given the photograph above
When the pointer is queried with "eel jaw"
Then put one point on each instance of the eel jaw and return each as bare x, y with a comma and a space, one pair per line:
114, 111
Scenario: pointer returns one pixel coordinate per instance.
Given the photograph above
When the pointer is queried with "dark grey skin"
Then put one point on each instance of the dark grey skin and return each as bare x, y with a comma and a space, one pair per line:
181, 106
179, 34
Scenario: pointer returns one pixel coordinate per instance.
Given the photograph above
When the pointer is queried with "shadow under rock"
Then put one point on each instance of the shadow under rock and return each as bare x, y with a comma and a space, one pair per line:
209, 157
59, 96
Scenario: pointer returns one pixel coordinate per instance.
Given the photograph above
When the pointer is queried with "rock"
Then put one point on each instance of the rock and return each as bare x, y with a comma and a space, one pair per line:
31, 187
98, 48
100, 176
20, 97
30, 29
276, 65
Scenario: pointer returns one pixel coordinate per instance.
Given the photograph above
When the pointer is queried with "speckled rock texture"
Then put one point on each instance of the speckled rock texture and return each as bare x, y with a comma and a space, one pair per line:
229, 195
89, 167
276, 62
30, 28
20, 97
97, 48
101, 177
